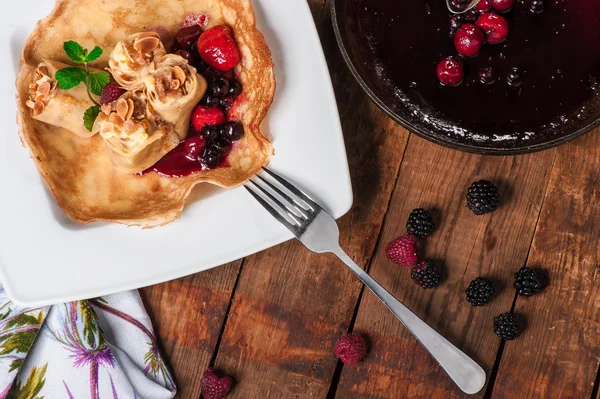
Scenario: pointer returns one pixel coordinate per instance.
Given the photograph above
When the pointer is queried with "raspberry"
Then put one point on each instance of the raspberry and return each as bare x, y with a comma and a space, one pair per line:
110, 93
218, 49
494, 26
206, 116
351, 349
214, 387
450, 72
403, 251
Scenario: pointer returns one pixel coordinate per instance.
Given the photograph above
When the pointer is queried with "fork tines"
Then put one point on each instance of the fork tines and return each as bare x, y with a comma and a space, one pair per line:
283, 200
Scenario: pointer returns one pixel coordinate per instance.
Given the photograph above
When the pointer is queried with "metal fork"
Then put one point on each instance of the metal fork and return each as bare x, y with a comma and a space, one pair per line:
318, 231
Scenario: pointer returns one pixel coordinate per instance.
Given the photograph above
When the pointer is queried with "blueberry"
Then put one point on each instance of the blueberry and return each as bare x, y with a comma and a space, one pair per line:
210, 100
211, 157
222, 145
219, 87
210, 132
514, 77
487, 75
235, 88
226, 103
233, 131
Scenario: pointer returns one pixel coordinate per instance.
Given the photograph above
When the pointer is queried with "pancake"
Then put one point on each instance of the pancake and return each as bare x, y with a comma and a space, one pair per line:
79, 171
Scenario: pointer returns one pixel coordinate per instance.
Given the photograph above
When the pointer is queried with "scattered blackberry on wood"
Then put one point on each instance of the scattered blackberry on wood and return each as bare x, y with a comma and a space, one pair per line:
480, 291
420, 223
483, 197
426, 274
528, 281
506, 326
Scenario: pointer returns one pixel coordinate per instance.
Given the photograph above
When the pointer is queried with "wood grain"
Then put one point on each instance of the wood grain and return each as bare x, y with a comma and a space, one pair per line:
557, 355
467, 246
188, 315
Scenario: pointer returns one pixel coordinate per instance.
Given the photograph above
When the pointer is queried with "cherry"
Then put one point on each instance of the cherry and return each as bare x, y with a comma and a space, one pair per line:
484, 6
468, 40
514, 77
502, 5
450, 72
188, 36
494, 26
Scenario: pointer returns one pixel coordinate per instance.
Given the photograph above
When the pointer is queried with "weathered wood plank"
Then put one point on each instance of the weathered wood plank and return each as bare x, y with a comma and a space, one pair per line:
557, 355
291, 305
188, 315
469, 246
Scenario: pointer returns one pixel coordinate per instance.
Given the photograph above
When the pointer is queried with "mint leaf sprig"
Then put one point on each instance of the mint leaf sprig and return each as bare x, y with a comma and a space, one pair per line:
71, 77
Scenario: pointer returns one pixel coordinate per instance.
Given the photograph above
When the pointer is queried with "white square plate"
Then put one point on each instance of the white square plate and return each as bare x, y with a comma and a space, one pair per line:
46, 258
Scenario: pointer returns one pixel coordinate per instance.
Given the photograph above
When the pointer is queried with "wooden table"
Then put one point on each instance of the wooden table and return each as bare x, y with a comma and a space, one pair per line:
271, 319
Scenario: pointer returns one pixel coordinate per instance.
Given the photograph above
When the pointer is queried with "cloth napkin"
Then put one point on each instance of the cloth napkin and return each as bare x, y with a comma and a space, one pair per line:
102, 348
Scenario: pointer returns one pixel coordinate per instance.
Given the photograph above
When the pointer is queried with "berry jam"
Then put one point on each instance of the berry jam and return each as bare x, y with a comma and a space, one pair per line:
555, 52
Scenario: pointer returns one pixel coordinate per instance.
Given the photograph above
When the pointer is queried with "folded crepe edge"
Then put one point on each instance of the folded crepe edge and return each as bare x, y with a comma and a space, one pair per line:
30, 142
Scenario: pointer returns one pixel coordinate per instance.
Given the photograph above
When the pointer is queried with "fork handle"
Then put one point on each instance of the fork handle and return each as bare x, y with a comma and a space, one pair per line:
467, 374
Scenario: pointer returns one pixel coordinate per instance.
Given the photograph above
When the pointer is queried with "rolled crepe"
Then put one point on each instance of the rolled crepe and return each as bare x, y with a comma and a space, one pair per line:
62, 108
134, 58
174, 89
135, 138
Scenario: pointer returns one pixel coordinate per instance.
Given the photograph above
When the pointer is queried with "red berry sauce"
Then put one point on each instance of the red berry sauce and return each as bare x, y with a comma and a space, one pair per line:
556, 52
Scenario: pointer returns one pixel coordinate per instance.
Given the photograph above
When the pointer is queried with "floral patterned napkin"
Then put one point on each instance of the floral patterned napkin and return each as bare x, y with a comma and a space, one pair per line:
99, 348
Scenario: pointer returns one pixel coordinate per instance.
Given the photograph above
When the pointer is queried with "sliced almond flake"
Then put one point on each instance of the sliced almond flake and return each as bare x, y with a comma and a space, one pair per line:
44, 89
175, 84
108, 126
117, 120
38, 108
43, 70
179, 74
146, 44
30, 104
122, 108
145, 124
130, 108
106, 109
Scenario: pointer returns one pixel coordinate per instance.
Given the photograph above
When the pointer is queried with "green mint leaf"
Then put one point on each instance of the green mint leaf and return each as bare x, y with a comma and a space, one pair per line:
97, 82
70, 77
94, 54
75, 52
90, 117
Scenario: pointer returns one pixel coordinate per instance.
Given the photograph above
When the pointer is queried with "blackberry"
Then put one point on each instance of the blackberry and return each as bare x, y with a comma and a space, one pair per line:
480, 291
420, 223
506, 326
455, 22
528, 282
483, 197
426, 274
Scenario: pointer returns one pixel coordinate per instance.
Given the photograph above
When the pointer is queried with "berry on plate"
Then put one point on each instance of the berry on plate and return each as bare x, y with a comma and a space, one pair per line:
469, 40
206, 116
502, 5
110, 93
351, 349
403, 251
494, 26
218, 49
450, 72
213, 386
484, 6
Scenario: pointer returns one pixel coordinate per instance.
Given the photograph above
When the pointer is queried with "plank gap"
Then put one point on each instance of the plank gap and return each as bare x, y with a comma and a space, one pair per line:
494, 373
594, 394
213, 358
